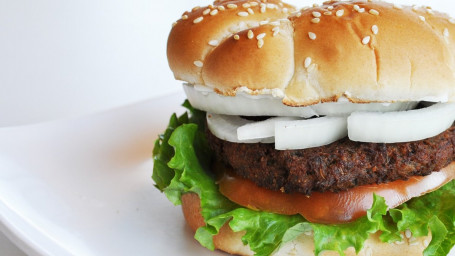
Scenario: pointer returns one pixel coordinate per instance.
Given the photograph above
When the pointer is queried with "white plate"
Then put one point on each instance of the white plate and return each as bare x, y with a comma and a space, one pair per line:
83, 186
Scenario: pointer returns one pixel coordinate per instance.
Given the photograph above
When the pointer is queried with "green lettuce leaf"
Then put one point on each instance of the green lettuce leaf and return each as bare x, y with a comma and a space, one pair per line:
181, 163
435, 212
178, 169
264, 231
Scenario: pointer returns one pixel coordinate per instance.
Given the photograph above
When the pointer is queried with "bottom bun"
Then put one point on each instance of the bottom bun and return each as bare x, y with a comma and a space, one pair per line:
231, 242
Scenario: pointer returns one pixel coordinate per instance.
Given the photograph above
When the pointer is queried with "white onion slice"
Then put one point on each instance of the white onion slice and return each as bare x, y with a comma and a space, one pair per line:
346, 108
243, 105
225, 127
267, 105
262, 129
405, 126
309, 133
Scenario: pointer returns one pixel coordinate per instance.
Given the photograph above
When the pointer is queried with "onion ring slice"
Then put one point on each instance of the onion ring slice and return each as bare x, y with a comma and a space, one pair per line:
309, 133
268, 105
404, 126
261, 129
225, 127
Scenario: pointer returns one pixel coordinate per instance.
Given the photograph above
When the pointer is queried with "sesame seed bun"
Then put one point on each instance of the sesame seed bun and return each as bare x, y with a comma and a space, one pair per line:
231, 242
364, 51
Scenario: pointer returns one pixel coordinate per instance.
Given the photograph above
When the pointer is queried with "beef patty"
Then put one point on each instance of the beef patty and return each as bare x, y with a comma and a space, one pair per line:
336, 167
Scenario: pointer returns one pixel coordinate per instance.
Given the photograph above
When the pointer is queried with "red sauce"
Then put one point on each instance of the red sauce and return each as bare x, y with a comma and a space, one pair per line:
329, 207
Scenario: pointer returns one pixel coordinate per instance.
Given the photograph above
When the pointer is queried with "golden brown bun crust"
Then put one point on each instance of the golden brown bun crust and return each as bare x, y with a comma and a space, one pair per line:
189, 41
410, 58
230, 242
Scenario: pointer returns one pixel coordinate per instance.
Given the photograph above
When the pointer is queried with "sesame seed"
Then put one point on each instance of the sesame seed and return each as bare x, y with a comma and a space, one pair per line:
315, 5
198, 63
246, 5
275, 23
339, 13
415, 8
197, 20
327, 13
250, 11
263, 22
397, 6
221, 8
211, 6
260, 36
356, 7
195, 8
254, 3
330, 8
231, 6
374, 12
242, 14
429, 11
408, 233
375, 29
250, 34
366, 40
174, 23
315, 20
214, 12
214, 42
312, 35
307, 62
206, 11
422, 18
446, 32
184, 17
276, 30
316, 14
452, 21
236, 37
263, 9
298, 14
305, 8
271, 6
260, 43
361, 10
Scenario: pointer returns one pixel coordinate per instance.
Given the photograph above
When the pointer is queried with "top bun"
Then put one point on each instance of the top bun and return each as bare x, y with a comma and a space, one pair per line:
363, 51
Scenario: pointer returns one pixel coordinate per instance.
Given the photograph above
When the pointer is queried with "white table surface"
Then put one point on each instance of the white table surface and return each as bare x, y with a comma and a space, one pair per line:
61, 59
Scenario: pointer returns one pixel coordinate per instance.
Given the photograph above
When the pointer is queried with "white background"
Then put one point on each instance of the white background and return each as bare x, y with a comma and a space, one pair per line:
66, 58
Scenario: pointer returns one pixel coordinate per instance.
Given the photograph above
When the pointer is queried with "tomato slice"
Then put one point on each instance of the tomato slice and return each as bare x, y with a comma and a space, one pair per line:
329, 207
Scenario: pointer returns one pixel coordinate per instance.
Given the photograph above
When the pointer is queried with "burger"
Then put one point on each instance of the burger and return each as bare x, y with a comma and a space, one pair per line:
326, 130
